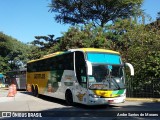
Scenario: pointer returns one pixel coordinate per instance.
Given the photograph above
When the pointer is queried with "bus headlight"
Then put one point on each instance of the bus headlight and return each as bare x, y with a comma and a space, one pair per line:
122, 95
94, 96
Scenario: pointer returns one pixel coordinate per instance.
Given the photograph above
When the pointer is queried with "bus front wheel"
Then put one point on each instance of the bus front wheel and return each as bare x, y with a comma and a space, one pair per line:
69, 97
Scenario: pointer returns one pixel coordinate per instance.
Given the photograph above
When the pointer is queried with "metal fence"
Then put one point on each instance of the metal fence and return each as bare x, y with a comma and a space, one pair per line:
148, 88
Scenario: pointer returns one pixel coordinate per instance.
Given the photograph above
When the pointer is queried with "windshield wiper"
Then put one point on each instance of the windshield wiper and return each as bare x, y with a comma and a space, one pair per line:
110, 80
117, 85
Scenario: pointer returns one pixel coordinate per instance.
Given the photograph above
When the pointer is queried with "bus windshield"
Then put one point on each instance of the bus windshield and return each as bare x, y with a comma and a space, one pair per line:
107, 71
103, 58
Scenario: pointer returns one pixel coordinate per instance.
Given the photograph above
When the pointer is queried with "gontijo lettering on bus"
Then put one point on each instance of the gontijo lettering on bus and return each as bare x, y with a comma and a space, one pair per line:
39, 76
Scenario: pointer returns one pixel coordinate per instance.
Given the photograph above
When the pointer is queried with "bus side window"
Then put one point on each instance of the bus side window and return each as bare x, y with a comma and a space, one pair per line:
80, 68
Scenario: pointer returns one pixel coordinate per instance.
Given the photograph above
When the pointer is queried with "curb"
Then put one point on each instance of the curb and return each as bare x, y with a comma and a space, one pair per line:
4, 88
144, 99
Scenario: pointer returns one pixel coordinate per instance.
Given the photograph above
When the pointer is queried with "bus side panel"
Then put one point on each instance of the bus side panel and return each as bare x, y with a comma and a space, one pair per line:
53, 84
40, 79
59, 82
70, 82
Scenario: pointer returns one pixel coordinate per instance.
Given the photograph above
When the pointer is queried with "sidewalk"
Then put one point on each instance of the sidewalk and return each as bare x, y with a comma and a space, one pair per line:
3, 92
144, 99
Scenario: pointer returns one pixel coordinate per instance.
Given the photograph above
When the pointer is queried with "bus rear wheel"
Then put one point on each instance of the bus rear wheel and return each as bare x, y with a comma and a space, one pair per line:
36, 94
33, 90
69, 97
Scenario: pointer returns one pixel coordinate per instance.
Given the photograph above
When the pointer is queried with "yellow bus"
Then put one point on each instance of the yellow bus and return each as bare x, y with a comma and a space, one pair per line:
88, 76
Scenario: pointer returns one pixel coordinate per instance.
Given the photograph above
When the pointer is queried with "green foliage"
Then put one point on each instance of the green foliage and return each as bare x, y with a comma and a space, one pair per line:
84, 36
13, 54
138, 45
5, 45
35, 52
42, 46
97, 11
4, 65
158, 15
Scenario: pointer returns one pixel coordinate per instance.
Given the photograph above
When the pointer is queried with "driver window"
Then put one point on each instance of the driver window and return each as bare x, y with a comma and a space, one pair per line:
100, 73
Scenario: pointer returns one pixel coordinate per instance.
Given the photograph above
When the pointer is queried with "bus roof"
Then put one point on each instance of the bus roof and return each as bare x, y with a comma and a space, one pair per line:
95, 50
53, 54
78, 49
48, 56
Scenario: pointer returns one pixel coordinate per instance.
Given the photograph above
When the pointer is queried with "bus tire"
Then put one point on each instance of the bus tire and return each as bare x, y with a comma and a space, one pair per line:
36, 94
69, 97
33, 90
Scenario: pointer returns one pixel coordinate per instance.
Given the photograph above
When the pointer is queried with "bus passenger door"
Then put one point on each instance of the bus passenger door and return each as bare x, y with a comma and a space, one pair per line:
81, 76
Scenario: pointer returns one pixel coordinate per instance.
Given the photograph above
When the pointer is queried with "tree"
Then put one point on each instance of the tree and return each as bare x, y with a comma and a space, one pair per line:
13, 54
139, 45
42, 45
5, 45
83, 36
44, 42
4, 65
99, 12
18, 56
158, 16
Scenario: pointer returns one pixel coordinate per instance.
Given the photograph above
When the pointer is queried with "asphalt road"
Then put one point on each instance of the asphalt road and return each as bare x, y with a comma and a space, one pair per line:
26, 106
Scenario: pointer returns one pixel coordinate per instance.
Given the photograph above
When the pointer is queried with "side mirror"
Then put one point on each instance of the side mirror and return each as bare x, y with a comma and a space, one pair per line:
131, 68
89, 66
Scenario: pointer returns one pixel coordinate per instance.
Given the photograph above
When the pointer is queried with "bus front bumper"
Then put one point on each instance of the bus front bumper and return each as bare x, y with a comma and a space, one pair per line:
105, 101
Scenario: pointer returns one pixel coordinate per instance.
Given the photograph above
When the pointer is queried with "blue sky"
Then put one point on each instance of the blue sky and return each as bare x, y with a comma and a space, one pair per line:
24, 19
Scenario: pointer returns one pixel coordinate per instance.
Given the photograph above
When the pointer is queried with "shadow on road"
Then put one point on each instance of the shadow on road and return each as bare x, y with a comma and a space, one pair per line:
76, 105
130, 110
